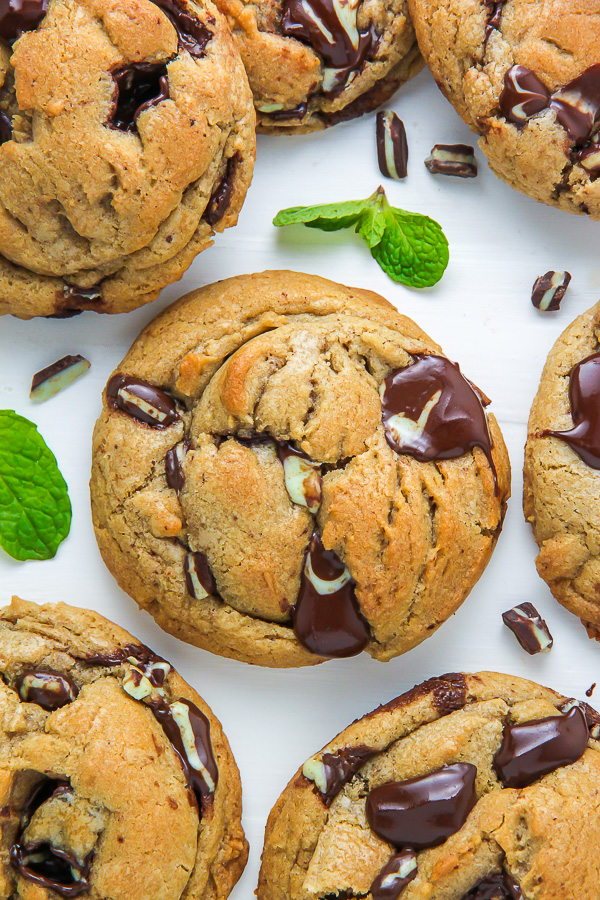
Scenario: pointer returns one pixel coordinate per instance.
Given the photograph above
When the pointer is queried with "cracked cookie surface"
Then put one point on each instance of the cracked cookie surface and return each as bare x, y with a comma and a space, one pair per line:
313, 63
116, 778
524, 76
126, 140
248, 493
431, 768
561, 477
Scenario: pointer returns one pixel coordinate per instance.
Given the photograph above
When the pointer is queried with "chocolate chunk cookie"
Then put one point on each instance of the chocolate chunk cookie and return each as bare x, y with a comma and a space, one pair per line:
126, 140
286, 470
526, 77
562, 470
312, 63
116, 779
468, 787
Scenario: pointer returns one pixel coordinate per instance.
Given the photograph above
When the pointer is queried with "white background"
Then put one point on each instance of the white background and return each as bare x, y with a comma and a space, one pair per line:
482, 316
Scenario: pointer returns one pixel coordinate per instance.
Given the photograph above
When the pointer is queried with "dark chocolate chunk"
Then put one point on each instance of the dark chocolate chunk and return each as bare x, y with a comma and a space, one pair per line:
141, 400
395, 875
529, 628
549, 289
154, 667
327, 618
426, 811
19, 16
432, 412
49, 381
199, 579
449, 692
48, 689
332, 771
74, 294
534, 749
193, 35
5, 128
495, 887
589, 157
281, 115
303, 480
392, 146
51, 868
452, 159
590, 690
221, 196
592, 717
577, 105
342, 47
137, 88
584, 396
523, 95
174, 465
495, 8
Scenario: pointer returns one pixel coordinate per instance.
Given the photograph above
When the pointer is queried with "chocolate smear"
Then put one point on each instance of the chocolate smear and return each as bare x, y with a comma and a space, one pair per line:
141, 400
426, 811
19, 16
192, 34
495, 887
221, 196
529, 628
395, 875
534, 749
326, 618
48, 689
392, 146
584, 397
138, 87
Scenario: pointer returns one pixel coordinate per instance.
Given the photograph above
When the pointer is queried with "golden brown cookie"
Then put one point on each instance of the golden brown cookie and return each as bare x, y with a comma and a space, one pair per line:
286, 469
562, 463
468, 787
116, 779
126, 141
525, 76
313, 63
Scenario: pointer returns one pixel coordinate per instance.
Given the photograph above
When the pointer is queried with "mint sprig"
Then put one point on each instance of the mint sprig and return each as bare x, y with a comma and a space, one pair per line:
411, 248
35, 510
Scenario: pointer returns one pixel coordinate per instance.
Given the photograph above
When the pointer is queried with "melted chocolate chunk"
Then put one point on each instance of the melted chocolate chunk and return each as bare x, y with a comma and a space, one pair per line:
19, 16
432, 412
449, 692
495, 887
87, 296
142, 401
281, 115
334, 37
584, 396
188, 731
393, 878
392, 146
327, 619
174, 465
153, 666
339, 768
529, 628
577, 105
221, 196
51, 868
495, 8
523, 95
48, 689
5, 128
303, 479
192, 34
137, 88
534, 749
423, 812
199, 579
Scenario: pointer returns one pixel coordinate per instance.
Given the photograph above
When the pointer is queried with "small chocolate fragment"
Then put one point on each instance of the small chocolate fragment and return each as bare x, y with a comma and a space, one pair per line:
495, 887
452, 159
141, 400
426, 811
174, 465
138, 87
590, 690
395, 875
48, 689
302, 476
192, 34
529, 628
549, 289
327, 618
5, 128
534, 749
523, 95
199, 579
74, 294
589, 157
55, 378
584, 397
19, 16
392, 146
332, 771
431, 411
495, 8
281, 115
221, 197
51, 868
577, 105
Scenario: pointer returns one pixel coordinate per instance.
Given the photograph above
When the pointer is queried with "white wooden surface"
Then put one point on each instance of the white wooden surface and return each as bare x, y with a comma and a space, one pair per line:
481, 314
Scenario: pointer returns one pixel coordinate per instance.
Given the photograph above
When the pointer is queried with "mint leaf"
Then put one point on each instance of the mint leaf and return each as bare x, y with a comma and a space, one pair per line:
413, 249
330, 217
371, 226
35, 510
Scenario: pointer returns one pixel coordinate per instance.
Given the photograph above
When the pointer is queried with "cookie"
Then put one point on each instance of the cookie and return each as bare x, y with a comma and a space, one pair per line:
126, 140
561, 474
468, 787
524, 76
313, 63
287, 470
116, 779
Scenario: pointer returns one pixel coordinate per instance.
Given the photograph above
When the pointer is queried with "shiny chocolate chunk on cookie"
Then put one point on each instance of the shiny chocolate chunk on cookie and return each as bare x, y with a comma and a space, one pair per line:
331, 771
5, 128
199, 579
495, 887
48, 689
584, 397
193, 35
174, 465
51, 868
221, 196
137, 88
395, 876
523, 95
19, 16
303, 480
142, 401
577, 105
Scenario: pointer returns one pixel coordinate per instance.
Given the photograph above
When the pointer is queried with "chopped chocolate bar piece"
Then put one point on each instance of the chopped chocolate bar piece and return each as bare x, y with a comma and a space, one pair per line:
57, 377
549, 289
452, 159
529, 628
392, 147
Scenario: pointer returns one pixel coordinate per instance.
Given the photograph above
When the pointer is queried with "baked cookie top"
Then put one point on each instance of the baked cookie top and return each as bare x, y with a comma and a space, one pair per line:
286, 469
526, 77
312, 63
116, 779
468, 787
561, 475
126, 138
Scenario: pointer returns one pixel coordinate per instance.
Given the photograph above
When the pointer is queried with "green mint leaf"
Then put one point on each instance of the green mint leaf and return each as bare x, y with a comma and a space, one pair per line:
371, 225
330, 217
35, 510
413, 249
